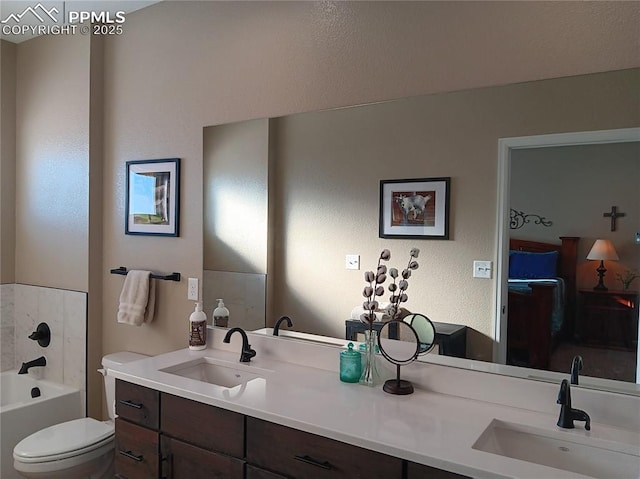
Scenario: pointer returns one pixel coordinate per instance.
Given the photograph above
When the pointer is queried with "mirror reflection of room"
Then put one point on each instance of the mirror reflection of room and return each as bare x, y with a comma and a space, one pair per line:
590, 311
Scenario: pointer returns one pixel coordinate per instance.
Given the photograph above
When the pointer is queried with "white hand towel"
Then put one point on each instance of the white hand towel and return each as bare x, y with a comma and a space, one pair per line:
137, 299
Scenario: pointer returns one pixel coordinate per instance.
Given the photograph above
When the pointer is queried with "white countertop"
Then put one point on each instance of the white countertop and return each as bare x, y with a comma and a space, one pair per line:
429, 426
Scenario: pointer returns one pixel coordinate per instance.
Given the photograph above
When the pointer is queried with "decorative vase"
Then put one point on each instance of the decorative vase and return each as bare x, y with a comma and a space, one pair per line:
370, 375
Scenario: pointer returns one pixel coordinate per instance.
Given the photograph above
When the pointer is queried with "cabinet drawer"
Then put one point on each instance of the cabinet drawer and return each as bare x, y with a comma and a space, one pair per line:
137, 404
254, 472
191, 462
420, 471
302, 455
205, 426
136, 450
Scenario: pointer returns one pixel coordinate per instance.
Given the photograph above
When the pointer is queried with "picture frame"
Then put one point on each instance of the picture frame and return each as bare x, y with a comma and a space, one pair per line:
415, 208
153, 197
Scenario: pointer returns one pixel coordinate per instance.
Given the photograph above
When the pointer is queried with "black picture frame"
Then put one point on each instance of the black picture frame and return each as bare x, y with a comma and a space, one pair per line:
153, 197
415, 208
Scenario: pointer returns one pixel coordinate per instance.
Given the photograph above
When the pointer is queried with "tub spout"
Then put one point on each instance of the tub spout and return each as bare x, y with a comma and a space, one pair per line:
41, 361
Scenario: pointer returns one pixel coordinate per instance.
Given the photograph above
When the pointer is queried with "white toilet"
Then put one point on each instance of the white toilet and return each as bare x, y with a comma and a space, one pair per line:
78, 449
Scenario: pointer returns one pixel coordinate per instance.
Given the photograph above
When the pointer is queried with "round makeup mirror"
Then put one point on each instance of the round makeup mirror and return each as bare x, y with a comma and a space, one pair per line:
425, 329
403, 350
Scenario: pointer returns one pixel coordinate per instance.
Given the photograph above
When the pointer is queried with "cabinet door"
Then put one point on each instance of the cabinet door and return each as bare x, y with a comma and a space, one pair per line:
190, 462
420, 471
137, 404
136, 450
205, 426
254, 472
294, 453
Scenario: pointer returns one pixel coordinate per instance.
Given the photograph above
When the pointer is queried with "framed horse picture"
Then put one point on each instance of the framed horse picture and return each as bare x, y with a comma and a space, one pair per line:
153, 192
415, 208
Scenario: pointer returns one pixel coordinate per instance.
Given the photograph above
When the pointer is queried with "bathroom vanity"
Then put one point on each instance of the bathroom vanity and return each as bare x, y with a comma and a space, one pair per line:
286, 414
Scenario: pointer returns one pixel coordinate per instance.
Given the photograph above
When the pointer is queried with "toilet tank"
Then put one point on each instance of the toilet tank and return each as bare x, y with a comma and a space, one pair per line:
109, 361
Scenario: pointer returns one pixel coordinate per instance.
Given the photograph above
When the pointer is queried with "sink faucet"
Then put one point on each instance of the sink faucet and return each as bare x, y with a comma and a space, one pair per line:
567, 413
247, 353
576, 367
41, 361
276, 328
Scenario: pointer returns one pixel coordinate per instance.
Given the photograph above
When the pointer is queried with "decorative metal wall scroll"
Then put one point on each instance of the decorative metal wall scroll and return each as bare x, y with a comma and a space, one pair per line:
517, 219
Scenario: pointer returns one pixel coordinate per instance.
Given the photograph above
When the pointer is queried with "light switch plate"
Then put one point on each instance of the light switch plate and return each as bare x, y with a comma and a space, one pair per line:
353, 261
482, 269
192, 292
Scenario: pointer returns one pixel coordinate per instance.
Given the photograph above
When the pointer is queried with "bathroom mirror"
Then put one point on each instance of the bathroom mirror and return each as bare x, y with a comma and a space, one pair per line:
298, 205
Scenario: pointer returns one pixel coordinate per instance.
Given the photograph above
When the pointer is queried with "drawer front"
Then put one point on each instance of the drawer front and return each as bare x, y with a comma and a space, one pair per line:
420, 471
137, 404
136, 450
203, 425
254, 472
191, 462
302, 455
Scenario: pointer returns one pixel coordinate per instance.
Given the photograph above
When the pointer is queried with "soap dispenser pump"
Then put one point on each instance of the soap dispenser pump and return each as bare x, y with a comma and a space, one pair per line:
198, 329
221, 315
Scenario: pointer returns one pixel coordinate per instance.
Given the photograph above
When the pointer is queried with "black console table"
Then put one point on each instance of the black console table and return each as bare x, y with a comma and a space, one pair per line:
450, 338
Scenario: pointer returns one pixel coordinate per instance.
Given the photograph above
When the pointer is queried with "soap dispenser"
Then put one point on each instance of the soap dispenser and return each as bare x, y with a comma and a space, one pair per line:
198, 329
221, 315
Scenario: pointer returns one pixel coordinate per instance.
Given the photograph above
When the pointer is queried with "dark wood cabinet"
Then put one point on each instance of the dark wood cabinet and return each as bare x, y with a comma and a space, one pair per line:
420, 471
608, 318
300, 454
159, 435
192, 462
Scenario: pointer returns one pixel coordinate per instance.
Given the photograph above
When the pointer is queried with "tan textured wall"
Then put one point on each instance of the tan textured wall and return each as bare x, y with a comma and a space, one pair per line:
328, 169
182, 66
52, 182
7, 161
235, 197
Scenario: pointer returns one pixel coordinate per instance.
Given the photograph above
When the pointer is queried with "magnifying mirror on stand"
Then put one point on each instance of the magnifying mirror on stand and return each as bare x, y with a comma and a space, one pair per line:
415, 335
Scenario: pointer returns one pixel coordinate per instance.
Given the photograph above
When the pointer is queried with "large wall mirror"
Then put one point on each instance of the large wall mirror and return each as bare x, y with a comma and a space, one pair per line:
286, 199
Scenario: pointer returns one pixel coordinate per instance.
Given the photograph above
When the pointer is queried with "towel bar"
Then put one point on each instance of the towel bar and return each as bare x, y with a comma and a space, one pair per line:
169, 277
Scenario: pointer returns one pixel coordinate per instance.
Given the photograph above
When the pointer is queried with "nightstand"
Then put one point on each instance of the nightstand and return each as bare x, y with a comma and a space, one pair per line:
608, 318
450, 338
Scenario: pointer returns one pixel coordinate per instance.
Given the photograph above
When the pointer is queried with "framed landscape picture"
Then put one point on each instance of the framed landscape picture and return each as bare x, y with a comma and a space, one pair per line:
414, 208
153, 192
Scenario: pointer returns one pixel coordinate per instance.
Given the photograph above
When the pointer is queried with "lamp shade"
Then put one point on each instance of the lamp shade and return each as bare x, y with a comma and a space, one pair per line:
603, 250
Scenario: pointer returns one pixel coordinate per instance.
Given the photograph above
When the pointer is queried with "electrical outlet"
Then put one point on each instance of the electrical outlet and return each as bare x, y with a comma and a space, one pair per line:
192, 291
353, 261
482, 269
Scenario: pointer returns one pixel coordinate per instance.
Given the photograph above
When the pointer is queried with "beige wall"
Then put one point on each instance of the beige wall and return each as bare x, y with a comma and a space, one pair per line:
182, 66
236, 158
573, 186
329, 165
52, 183
7, 161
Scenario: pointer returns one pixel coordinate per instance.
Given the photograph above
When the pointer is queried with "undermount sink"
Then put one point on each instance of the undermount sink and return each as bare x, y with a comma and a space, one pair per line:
579, 454
217, 372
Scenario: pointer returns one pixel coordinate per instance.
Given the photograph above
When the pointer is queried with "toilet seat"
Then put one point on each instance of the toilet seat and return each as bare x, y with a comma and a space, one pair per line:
65, 440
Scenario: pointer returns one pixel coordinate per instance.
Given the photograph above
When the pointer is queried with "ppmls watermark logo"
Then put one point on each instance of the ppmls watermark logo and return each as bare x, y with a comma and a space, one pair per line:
53, 18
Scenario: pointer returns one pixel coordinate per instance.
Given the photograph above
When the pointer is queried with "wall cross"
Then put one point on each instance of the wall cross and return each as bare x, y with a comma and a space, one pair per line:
614, 215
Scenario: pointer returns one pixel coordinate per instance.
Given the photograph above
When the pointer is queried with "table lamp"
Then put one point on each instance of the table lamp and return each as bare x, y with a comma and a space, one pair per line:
602, 250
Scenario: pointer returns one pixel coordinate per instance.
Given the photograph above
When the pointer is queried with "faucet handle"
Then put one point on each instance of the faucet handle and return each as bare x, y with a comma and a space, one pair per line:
247, 354
564, 395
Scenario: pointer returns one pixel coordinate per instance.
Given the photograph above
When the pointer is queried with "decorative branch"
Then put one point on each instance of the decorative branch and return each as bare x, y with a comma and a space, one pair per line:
517, 219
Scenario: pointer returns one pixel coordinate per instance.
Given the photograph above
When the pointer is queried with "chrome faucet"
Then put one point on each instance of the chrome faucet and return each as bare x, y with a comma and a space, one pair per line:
41, 361
247, 353
276, 328
576, 367
567, 413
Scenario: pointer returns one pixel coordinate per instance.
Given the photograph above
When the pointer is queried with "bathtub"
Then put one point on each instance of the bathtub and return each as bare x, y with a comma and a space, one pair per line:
21, 415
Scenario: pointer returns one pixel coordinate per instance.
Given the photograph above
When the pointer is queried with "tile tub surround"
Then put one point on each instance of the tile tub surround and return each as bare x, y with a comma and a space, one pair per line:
437, 425
66, 314
7, 327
